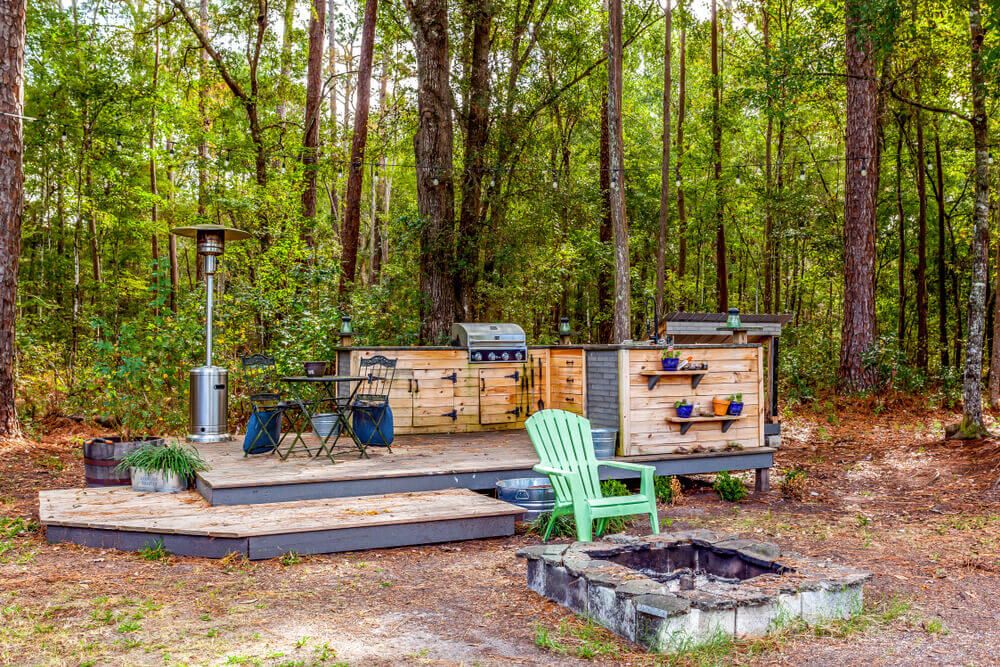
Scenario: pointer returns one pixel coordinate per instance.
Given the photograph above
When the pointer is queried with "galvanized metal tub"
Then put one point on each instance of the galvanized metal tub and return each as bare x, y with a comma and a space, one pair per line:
534, 494
604, 442
158, 482
324, 423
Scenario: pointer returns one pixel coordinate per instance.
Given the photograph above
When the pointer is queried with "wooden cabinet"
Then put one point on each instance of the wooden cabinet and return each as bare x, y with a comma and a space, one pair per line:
436, 399
567, 380
502, 394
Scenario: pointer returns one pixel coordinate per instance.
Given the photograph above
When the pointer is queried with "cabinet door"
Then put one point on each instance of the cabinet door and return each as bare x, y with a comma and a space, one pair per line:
434, 397
401, 398
501, 395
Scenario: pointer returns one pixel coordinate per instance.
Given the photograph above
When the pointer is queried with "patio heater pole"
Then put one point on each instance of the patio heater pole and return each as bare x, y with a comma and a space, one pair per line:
208, 408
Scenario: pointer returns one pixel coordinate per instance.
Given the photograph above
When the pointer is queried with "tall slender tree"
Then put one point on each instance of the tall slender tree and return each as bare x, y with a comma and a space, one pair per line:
11, 198
313, 113
861, 185
681, 113
356, 170
621, 322
721, 258
661, 241
433, 148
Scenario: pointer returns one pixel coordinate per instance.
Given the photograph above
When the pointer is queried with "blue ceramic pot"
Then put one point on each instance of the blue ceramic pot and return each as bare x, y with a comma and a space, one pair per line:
684, 411
735, 409
670, 363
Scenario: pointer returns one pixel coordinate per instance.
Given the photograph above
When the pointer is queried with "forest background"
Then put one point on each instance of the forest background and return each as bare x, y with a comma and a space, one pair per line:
296, 121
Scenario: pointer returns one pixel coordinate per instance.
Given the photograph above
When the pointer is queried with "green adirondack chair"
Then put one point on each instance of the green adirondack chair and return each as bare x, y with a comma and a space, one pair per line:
565, 447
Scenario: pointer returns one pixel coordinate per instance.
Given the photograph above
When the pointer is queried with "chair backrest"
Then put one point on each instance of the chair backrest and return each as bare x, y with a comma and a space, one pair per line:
563, 440
259, 374
379, 372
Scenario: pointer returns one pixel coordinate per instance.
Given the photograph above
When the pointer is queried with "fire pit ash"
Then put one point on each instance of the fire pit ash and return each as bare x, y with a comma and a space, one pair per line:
677, 589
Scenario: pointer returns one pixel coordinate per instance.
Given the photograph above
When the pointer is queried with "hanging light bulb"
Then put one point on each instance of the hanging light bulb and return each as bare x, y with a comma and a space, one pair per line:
678, 182
739, 180
802, 173
864, 167
118, 144
435, 181
64, 135
555, 184
990, 159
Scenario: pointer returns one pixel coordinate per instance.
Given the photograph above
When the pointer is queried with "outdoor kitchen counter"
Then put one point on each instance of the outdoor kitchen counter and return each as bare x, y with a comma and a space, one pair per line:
437, 389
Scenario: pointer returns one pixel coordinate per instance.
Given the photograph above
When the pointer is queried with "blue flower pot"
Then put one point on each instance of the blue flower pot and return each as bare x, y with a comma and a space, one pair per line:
263, 430
735, 409
684, 411
670, 363
373, 424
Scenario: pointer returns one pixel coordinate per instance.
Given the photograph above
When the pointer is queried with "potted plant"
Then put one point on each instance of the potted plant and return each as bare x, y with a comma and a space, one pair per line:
163, 469
683, 408
670, 359
736, 405
720, 406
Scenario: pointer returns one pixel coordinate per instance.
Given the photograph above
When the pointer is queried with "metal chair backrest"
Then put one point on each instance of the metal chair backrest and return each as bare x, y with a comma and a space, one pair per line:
563, 441
379, 371
259, 373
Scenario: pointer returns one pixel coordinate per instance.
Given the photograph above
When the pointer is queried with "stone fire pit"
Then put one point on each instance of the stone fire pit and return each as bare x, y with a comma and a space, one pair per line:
679, 589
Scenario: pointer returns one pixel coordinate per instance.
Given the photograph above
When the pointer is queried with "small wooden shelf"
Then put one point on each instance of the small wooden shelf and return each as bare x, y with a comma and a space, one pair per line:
725, 421
654, 376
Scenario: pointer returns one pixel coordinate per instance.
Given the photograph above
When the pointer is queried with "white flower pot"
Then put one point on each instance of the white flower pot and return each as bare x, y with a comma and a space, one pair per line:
157, 482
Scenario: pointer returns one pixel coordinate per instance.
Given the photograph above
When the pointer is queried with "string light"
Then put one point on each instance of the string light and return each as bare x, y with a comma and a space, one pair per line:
739, 180
802, 173
864, 166
990, 159
555, 184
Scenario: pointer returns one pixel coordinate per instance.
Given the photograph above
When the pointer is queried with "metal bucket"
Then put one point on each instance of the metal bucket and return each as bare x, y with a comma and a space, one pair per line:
604, 442
158, 482
534, 494
324, 424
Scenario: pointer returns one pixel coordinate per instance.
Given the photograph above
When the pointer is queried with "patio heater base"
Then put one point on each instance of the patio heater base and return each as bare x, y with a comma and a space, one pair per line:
209, 405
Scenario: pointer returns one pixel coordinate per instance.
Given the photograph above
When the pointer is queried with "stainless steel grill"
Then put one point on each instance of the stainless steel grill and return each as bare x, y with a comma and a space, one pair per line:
491, 343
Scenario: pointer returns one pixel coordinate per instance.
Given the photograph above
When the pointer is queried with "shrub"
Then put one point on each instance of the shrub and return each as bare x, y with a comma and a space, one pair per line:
668, 490
731, 489
793, 484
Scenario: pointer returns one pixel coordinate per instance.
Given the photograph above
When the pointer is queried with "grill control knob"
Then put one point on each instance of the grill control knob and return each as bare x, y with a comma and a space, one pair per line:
492, 356
477, 356
519, 356
505, 356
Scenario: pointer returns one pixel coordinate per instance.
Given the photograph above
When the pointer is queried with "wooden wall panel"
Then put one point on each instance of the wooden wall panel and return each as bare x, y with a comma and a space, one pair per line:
731, 370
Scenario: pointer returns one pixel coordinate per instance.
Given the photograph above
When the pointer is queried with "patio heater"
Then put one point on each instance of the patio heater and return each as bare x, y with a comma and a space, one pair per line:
208, 405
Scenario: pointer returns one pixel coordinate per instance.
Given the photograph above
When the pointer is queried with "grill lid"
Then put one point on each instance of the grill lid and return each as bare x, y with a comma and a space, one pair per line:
491, 342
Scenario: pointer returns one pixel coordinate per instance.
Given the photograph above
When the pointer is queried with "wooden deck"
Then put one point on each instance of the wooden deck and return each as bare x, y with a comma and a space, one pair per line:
187, 525
417, 463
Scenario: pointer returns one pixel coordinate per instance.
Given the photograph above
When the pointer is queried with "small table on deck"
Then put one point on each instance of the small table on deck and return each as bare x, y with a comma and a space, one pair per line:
312, 393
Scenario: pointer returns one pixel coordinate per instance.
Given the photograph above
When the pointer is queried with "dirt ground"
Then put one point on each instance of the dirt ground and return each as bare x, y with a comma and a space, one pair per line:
884, 492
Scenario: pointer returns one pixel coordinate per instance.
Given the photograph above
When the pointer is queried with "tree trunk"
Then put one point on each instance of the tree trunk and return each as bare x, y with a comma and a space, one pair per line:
621, 327
901, 215
972, 398
604, 278
285, 76
154, 212
314, 103
768, 137
352, 207
202, 108
661, 245
861, 185
11, 200
921, 275
681, 112
994, 378
334, 144
942, 274
477, 124
721, 263
433, 151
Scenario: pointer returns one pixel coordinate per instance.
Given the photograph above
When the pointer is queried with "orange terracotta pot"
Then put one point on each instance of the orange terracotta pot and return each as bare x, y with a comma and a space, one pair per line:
720, 406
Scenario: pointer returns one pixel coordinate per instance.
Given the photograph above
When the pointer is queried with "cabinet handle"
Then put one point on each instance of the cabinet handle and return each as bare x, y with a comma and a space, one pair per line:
482, 385
409, 385
416, 383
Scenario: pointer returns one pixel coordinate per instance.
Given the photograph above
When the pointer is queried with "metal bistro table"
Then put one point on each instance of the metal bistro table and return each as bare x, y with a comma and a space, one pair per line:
313, 393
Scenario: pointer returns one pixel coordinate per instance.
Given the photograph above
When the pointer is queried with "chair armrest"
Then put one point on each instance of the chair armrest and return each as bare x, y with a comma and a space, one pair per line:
634, 467
576, 489
646, 472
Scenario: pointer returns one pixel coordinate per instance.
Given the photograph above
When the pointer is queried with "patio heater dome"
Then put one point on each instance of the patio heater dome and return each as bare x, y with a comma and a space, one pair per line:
208, 403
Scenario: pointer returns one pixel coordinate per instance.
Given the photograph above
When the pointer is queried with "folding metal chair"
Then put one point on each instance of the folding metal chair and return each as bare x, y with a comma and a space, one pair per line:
370, 410
267, 408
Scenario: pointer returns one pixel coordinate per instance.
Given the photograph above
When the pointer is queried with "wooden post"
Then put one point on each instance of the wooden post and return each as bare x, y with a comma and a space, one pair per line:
762, 480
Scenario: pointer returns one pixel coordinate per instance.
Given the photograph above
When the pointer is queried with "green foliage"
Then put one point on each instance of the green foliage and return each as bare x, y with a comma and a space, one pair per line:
681, 403
664, 489
670, 354
154, 551
731, 489
173, 458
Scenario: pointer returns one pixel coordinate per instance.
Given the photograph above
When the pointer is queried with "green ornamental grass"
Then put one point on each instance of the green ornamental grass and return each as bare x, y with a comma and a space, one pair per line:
171, 458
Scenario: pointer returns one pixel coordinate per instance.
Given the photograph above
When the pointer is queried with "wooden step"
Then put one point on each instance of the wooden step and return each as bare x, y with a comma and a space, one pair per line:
187, 525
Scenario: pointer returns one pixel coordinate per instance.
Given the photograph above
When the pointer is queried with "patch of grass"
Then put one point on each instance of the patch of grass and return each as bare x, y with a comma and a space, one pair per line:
131, 625
12, 529
934, 626
289, 559
716, 650
545, 641
154, 551
578, 637
234, 561
50, 462
731, 489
